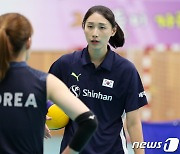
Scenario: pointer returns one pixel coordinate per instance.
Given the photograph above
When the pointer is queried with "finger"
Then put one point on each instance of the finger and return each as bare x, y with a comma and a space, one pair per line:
47, 132
48, 118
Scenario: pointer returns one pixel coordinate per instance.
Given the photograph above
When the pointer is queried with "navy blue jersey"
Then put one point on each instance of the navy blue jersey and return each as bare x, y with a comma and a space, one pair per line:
22, 110
109, 90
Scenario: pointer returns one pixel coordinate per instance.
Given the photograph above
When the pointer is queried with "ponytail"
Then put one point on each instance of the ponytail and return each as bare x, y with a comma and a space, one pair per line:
15, 30
118, 39
5, 49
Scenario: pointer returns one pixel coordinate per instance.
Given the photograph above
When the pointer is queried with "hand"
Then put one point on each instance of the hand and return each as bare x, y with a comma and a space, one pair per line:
47, 133
68, 150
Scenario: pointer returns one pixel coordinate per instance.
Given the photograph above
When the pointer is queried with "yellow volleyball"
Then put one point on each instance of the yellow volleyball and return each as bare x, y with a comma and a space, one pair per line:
58, 118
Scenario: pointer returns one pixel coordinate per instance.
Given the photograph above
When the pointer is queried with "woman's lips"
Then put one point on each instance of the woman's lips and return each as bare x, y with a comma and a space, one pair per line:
94, 42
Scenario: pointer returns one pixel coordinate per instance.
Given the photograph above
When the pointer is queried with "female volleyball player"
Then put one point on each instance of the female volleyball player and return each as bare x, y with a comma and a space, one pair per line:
24, 92
106, 82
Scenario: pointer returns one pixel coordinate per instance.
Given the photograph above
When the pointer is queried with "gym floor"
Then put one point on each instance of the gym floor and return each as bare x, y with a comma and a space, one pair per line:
52, 146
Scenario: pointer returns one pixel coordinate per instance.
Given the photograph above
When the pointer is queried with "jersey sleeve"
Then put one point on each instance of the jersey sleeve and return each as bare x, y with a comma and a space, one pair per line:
136, 96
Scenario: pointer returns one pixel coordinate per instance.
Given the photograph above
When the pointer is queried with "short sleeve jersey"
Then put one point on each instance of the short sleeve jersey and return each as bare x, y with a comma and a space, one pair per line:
109, 90
22, 110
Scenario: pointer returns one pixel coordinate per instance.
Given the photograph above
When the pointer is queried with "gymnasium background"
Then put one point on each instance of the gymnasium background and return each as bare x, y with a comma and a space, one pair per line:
152, 31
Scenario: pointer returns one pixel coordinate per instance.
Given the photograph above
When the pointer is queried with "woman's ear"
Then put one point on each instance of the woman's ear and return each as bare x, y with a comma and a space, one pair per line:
114, 31
28, 43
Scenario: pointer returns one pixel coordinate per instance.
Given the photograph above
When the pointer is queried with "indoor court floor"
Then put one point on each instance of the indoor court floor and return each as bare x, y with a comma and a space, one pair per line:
51, 146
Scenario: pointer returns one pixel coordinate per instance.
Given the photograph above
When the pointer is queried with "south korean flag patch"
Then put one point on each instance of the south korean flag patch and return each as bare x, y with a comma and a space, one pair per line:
107, 83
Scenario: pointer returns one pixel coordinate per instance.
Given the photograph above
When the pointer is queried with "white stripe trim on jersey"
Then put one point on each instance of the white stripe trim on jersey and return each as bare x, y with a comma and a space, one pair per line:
122, 135
123, 139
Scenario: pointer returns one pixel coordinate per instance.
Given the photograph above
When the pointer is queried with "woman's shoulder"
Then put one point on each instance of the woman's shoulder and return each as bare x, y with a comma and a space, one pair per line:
123, 61
37, 73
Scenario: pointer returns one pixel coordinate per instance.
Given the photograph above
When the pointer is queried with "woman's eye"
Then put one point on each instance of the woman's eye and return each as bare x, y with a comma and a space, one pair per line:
89, 26
102, 27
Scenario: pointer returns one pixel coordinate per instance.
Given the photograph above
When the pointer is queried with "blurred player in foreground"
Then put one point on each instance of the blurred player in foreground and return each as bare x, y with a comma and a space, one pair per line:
24, 92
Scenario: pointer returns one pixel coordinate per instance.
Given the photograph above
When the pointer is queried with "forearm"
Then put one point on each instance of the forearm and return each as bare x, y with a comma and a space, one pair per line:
87, 124
134, 128
135, 133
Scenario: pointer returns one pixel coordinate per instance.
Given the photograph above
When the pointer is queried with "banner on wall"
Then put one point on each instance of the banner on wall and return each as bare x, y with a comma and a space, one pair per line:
57, 24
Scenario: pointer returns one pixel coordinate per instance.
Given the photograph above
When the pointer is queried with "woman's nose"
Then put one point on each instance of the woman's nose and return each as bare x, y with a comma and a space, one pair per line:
95, 33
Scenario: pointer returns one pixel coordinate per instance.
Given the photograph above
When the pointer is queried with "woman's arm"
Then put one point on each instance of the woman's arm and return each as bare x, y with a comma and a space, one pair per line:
59, 93
134, 128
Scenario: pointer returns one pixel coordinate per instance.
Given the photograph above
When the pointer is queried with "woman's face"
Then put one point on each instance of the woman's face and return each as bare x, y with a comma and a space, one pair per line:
98, 31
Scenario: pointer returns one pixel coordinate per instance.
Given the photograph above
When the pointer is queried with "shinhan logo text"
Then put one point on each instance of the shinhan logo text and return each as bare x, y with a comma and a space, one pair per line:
90, 93
98, 95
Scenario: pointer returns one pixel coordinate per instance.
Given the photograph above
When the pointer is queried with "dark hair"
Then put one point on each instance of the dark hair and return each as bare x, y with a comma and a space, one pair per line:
118, 39
15, 30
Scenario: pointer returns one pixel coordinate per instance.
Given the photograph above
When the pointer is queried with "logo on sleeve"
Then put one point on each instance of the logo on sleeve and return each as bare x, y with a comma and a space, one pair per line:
92, 117
76, 76
142, 94
108, 83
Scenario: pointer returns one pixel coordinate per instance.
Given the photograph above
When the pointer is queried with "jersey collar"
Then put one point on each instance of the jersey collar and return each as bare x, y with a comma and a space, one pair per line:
85, 57
18, 64
107, 62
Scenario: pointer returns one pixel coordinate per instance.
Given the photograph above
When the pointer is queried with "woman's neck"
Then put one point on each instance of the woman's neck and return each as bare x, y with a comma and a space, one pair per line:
20, 57
97, 56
